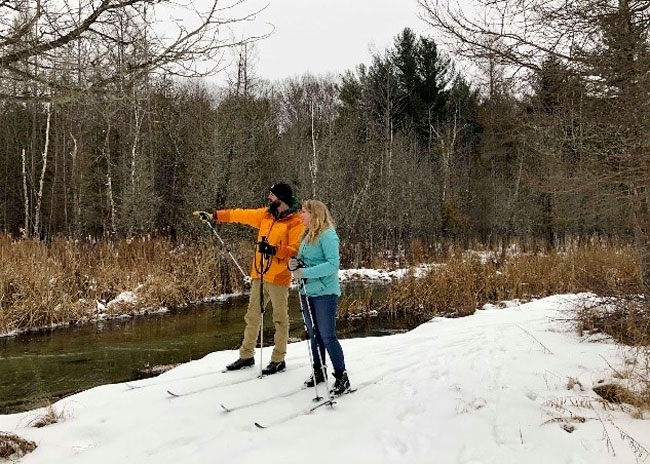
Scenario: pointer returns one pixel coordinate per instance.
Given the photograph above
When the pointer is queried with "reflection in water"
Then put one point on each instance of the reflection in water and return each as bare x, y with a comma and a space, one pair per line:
52, 364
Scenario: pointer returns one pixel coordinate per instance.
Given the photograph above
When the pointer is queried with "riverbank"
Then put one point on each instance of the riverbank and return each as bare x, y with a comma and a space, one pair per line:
67, 282
499, 386
128, 303
64, 282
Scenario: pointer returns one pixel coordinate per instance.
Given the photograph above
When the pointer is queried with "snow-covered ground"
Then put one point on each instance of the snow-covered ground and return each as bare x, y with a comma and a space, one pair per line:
489, 388
378, 275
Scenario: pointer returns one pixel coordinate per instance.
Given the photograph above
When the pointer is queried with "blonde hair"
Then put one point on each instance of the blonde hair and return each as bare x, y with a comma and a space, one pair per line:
320, 220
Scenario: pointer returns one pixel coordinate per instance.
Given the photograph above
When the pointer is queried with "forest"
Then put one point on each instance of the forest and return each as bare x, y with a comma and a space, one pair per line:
103, 137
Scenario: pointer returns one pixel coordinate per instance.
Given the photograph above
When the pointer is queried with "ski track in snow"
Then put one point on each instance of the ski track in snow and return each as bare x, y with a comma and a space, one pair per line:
471, 390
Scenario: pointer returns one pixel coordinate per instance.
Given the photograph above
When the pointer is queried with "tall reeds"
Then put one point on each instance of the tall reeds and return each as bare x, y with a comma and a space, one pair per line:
468, 281
43, 284
72, 281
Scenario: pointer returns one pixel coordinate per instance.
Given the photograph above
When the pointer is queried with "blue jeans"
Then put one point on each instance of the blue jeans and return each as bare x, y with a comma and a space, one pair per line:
324, 310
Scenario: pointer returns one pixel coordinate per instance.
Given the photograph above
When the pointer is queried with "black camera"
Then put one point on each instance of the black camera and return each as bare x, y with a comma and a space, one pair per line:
265, 248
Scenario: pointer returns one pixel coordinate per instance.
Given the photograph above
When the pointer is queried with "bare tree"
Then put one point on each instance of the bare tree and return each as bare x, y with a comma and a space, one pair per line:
41, 183
246, 81
447, 137
110, 196
38, 38
313, 162
25, 231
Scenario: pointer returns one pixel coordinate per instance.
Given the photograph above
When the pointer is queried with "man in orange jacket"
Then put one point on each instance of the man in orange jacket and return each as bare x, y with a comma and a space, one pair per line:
282, 227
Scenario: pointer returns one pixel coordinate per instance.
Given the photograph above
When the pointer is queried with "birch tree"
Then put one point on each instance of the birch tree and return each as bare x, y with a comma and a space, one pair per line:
41, 183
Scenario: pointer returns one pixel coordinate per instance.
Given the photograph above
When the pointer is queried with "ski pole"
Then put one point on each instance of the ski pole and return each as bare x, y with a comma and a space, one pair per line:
264, 267
311, 357
208, 220
304, 324
318, 351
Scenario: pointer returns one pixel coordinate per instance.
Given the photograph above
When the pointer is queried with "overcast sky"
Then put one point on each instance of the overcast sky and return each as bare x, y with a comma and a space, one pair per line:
322, 36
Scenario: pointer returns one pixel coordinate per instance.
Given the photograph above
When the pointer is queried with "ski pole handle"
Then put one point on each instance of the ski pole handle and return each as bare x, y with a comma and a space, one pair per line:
203, 216
295, 263
208, 219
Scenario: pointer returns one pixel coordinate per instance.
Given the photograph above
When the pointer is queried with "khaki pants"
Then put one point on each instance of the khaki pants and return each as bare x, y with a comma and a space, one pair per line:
279, 297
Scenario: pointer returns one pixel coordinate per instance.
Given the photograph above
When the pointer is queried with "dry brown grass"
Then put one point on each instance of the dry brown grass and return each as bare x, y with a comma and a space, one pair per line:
356, 305
12, 446
465, 283
42, 284
50, 416
629, 383
625, 318
617, 394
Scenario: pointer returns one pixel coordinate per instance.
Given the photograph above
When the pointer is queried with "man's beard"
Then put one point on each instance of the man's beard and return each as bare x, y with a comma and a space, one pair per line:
275, 203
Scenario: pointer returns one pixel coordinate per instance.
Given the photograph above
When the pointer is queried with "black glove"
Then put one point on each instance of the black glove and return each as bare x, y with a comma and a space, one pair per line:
267, 249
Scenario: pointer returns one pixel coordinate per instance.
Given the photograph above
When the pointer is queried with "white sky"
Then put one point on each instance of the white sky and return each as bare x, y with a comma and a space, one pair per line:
323, 36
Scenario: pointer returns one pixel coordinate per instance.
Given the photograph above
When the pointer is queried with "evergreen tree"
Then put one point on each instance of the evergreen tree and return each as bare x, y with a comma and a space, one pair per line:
423, 75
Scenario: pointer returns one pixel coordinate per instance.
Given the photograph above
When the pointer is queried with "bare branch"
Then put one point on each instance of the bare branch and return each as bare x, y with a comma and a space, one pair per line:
70, 50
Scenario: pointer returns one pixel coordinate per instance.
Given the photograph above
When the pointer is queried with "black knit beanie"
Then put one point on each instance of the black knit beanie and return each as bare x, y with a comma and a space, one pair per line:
283, 192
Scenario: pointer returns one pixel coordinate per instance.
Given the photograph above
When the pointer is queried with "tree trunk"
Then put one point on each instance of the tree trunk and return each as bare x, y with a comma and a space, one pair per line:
74, 181
510, 224
138, 116
109, 180
25, 231
313, 164
547, 226
222, 190
642, 236
39, 196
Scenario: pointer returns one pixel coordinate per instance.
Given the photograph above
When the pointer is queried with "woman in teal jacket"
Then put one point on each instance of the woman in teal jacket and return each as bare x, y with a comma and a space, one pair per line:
318, 265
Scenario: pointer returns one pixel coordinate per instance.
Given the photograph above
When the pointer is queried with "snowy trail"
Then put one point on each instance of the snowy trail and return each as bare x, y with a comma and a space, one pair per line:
489, 388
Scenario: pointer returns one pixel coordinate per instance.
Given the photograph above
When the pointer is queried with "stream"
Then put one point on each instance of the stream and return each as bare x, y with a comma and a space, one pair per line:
41, 367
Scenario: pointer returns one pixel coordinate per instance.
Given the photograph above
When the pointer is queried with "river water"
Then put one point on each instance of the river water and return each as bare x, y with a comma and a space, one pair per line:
42, 367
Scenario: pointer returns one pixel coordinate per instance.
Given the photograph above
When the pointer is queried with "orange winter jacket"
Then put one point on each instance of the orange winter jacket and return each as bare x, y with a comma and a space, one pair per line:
283, 233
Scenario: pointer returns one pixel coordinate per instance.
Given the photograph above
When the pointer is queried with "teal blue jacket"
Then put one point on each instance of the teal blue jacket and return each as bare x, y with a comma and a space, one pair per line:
321, 260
